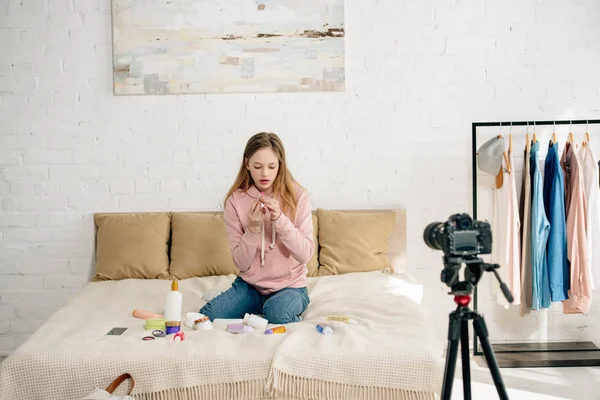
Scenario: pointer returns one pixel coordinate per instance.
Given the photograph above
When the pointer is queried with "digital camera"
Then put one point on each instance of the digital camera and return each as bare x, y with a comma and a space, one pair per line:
459, 236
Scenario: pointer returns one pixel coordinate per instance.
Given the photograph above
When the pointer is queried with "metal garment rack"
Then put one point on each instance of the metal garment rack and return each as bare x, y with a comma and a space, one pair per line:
535, 354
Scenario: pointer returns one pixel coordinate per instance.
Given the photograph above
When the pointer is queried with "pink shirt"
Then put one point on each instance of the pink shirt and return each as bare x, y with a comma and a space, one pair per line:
290, 243
580, 293
513, 236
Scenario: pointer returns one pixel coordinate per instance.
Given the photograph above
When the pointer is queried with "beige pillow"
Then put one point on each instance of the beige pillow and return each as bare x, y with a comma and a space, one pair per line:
200, 246
354, 241
132, 245
313, 264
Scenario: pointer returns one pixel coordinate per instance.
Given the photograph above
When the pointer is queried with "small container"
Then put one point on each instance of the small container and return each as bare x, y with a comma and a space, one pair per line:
155, 323
172, 329
173, 326
238, 328
202, 324
143, 314
255, 321
191, 317
158, 333
347, 320
324, 329
277, 329
173, 304
221, 323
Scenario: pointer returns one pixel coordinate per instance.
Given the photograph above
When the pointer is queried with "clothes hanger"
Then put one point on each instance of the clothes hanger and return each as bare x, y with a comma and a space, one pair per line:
587, 135
500, 178
507, 162
500, 175
527, 142
510, 139
534, 138
505, 155
571, 138
554, 134
506, 159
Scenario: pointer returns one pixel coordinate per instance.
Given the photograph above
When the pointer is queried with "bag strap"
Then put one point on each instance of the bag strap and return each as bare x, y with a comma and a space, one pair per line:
120, 379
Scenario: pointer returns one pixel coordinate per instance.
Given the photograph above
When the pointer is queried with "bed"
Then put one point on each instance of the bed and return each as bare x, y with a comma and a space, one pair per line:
392, 353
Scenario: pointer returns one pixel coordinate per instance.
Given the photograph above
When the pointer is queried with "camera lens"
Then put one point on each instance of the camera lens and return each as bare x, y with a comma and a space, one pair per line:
432, 235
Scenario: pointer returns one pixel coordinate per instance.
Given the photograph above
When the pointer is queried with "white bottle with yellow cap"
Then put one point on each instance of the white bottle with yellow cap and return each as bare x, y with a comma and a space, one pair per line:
173, 309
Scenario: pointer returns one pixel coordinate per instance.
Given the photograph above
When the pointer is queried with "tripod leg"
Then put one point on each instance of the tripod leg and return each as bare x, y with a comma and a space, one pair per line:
482, 333
464, 347
451, 353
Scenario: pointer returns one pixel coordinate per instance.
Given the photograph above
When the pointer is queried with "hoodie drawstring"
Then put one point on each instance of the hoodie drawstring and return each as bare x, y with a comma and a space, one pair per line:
262, 241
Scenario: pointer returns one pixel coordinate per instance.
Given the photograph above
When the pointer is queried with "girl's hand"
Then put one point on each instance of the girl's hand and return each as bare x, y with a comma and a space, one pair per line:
255, 217
273, 207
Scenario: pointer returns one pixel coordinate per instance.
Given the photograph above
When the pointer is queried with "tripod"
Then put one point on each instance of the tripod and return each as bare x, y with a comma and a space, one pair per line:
458, 328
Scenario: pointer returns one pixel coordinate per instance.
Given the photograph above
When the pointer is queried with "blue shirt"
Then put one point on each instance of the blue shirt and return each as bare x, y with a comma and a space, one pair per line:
554, 204
540, 229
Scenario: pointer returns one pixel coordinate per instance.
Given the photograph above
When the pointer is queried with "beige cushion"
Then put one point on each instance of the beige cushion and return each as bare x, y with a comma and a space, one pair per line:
200, 246
354, 241
313, 264
132, 245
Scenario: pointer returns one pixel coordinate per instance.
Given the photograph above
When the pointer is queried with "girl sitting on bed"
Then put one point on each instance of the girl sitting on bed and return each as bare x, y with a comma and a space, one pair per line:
269, 227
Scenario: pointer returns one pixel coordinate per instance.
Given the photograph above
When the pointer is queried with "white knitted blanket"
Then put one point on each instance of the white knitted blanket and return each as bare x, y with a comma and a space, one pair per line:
391, 351
71, 353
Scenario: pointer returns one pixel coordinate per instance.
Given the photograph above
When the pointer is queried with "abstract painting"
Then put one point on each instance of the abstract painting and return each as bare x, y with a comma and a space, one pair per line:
227, 46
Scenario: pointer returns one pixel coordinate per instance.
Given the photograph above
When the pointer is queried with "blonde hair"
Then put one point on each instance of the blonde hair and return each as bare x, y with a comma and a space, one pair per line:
283, 185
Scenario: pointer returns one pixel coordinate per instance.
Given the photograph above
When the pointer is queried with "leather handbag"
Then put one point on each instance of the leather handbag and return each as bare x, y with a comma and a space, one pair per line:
101, 394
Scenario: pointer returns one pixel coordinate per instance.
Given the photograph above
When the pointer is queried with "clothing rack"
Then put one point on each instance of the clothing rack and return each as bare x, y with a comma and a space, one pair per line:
533, 354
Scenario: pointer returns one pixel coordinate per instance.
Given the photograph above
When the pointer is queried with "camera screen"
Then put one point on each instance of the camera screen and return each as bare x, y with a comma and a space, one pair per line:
465, 241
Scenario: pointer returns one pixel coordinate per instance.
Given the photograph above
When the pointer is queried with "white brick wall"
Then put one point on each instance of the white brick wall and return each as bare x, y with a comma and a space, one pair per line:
418, 73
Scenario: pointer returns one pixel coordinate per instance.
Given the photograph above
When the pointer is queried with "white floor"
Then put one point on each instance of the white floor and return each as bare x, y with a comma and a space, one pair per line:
530, 383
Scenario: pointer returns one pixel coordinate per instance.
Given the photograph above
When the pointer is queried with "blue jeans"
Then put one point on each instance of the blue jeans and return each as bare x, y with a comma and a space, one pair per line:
281, 307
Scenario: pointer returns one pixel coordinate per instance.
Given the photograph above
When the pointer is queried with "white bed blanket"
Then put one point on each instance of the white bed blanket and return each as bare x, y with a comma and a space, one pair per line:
393, 352
390, 354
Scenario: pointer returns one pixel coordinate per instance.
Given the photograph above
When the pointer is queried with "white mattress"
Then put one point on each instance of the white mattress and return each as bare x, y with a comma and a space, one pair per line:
392, 353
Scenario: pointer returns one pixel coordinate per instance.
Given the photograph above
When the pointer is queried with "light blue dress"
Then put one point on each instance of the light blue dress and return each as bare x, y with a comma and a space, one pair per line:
540, 230
554, 204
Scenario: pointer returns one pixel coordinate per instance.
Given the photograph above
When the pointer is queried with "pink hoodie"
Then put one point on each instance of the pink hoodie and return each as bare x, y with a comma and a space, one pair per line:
281, 263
